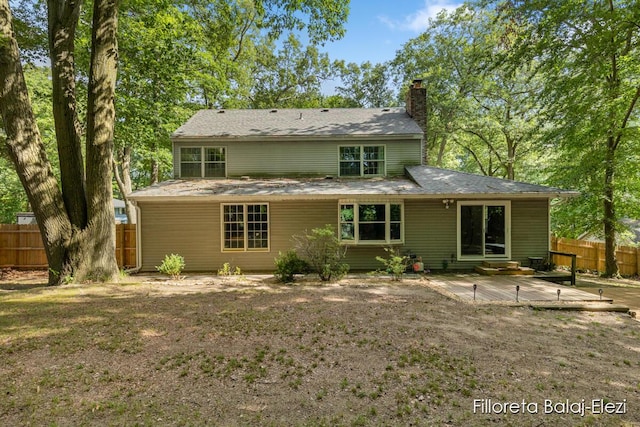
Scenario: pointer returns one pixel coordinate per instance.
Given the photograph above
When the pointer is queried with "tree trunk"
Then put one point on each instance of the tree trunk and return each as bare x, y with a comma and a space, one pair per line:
63, 18
155, 172
99, 262
123, 179
27, 151
78, 232
611, 263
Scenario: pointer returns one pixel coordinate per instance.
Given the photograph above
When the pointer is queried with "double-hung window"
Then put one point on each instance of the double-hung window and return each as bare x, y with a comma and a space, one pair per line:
245, 227
484, 229
203, 162
362, 160
371, 223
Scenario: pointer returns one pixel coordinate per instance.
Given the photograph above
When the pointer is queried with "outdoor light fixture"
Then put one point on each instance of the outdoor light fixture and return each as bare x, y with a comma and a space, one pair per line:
447, 202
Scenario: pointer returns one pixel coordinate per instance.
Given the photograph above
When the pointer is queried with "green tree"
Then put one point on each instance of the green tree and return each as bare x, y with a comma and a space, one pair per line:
290, 77
590, 60
366, 85
481, 114
12, 196
74, 214
76, 225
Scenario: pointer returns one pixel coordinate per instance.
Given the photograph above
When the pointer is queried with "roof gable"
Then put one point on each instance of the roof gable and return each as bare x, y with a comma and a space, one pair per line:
298, 123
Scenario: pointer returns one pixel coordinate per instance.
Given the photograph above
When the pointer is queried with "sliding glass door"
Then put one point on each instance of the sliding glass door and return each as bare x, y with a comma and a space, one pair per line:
483, 229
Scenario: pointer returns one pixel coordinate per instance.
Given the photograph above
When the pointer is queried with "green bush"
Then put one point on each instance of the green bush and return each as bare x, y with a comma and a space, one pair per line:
227, 270
172, 265
395, 264
323, 252
288, 264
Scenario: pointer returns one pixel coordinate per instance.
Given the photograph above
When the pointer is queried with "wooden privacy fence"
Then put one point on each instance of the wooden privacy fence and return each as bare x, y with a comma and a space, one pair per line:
590, 255
21, 247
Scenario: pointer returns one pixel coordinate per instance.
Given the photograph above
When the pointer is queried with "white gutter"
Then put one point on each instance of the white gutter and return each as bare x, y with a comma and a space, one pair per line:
138, 239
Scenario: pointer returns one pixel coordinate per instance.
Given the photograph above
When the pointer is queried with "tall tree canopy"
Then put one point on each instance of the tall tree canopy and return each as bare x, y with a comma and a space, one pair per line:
590, 59
75, 215
481, 114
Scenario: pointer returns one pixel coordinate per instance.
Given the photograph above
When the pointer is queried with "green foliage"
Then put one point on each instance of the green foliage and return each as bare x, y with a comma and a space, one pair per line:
172, 265
228, 270
482, 115
289, 78
591, 99
288, 264
395, 263
365, 85
323, 252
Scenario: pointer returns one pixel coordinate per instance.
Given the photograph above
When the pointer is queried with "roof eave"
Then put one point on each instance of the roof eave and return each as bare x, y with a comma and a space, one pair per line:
293, 138
311, 196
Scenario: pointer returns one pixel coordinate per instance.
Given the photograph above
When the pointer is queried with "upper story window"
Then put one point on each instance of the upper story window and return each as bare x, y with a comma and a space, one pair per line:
203, 162
371, 223
362, 160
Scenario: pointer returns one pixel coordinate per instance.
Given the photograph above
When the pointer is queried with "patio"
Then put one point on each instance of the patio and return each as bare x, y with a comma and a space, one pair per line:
520, 290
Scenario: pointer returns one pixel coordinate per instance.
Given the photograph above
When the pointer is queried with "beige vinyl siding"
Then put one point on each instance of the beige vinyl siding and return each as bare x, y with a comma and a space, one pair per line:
281, 158
190, 229
193, 230
529, 229
430, 232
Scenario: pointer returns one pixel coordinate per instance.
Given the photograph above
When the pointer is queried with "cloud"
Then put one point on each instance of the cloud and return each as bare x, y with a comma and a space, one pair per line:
418, 21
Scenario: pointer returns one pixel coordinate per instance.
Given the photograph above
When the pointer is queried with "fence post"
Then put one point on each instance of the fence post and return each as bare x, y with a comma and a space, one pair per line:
120, 243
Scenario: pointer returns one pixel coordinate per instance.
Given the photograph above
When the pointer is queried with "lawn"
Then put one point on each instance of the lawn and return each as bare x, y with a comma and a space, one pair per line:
248, 351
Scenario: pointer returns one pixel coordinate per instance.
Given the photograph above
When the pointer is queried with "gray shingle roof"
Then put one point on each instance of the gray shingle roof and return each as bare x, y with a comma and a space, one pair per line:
444, 181
310, 187
422, 181
298, 122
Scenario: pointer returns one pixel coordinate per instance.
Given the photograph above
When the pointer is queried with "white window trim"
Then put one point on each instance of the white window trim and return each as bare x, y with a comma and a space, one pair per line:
202, 161
507, 237
246, 235
356, 225
361, 146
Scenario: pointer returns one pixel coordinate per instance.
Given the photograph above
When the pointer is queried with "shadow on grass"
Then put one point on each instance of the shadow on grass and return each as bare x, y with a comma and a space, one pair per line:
21, 286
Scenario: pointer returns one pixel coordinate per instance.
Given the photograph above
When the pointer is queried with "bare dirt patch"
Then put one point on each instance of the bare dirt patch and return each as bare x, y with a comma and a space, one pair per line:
249, 351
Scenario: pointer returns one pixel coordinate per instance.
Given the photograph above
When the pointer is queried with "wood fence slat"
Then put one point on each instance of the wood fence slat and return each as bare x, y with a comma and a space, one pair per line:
590, 255
21, 247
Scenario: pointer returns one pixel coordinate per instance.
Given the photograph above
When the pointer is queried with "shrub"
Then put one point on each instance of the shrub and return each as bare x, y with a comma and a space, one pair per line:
172, 265
288, 264
227, 270
395, 264
323, 252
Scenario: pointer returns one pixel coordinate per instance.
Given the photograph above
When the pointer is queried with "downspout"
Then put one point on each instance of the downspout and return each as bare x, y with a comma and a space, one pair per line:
138, 266
548, 226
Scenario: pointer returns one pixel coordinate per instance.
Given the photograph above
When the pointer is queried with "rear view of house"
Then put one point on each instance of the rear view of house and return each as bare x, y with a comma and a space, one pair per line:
246, 181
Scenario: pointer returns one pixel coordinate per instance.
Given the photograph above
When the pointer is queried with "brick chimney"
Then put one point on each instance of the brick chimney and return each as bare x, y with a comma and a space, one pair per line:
417, 108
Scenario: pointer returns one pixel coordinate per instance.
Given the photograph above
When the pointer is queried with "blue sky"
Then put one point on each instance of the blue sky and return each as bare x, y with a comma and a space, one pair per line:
376, 29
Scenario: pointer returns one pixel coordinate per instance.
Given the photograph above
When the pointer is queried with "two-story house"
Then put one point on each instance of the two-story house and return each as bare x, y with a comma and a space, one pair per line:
246, 181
